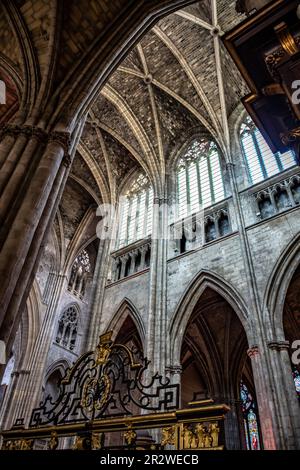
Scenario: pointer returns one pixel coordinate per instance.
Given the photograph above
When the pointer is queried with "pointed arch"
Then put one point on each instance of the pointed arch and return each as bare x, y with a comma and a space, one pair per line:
28, 56
60, 365
179, 321
278, 284
125, 309
31, 322
54, 374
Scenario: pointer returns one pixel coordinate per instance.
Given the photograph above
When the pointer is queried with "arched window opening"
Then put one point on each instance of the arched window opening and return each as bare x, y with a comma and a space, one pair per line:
9, 368
138, 261
148, 257
295, 188
223, 224
199, 177
136, 210
183, 242
129, 337
296, 377
291, 324
52, 385
281, 198
79, 273
250, 420
127, 267
210, 230
261, 162
67, 328
266, 208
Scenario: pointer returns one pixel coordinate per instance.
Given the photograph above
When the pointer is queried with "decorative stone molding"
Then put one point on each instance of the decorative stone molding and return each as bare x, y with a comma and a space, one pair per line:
279, 345
15, 130
131, 259
9, 129
63, 139
276, 198
253, 352
174, 370
292, 139
161, 200
199, 229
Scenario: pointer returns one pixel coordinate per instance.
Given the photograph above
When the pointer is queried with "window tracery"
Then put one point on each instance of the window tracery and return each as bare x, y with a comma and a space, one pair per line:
68, 328
250, 420
79, 273
199, 177
261, 162
296, 377
136, 212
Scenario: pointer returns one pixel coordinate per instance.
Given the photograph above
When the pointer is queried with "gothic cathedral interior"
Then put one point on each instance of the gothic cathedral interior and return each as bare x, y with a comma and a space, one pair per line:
150, 224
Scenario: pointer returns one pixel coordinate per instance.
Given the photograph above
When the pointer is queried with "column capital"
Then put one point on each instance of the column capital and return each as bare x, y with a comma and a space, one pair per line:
161, 200
9, 129
253, 352
229, 165
278, 345
64, 139
32, 131
15, 130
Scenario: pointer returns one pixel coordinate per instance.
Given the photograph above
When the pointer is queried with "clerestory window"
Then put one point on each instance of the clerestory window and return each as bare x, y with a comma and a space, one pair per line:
261, 162
136, 211
199, 177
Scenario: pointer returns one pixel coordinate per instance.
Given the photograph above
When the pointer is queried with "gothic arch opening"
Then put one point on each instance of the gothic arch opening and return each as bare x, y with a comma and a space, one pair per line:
52, 384
215, 366
128, 336
291, 326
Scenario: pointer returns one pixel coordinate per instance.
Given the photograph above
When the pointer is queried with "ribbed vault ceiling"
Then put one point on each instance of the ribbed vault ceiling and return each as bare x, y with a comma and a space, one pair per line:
177, 82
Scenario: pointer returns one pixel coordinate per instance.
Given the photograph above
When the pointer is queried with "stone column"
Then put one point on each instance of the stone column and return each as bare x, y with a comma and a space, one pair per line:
133, 260
98, 293
40, 177
12, 398
287, 408
7, 138
143, 249
232, 427
29, 387
216, 221
123, 265
265, 399
156, 341
174, 372
114, 270
14, 175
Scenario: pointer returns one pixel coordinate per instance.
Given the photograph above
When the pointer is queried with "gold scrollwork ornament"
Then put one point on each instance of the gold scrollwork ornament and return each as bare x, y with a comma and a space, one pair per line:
168, 435
97, 440
103, 349
130, 436
20, 444
53, 442
96, 393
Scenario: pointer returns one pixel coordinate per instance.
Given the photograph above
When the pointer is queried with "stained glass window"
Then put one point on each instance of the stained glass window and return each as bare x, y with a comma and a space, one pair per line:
136, 212
261, 162
249, 410
199, 177
296, 376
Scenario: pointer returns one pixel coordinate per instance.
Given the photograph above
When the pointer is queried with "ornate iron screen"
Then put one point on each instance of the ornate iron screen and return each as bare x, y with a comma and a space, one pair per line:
105, 383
